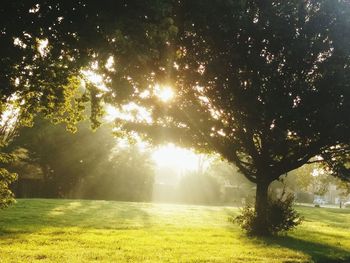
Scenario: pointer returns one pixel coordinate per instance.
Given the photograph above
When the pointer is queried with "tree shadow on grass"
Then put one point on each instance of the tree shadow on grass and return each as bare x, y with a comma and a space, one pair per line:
319, 253
25, 217
331, 216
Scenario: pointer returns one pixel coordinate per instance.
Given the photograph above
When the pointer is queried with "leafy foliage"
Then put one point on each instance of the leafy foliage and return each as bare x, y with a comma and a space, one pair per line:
6, 195
6, 178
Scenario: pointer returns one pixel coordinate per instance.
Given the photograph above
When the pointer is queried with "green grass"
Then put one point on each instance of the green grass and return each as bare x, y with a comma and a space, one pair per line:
41, 230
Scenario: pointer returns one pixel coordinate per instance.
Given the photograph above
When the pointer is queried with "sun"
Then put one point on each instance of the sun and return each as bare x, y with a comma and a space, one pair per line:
111, 114
171, 156
165, 93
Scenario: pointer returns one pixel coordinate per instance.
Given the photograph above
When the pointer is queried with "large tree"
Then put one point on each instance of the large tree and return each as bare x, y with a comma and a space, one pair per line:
263, 83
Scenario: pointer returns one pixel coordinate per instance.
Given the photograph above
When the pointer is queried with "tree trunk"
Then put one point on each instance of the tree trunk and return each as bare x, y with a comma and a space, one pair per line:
261, 205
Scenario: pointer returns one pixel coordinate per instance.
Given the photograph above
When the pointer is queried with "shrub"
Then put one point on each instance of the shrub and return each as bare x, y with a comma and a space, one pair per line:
281, 216
247, 219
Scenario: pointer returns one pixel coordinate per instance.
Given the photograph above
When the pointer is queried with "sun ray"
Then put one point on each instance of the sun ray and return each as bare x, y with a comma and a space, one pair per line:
175, 157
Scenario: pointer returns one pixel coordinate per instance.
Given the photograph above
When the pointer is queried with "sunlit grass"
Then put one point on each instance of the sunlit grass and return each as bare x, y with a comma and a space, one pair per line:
101, 231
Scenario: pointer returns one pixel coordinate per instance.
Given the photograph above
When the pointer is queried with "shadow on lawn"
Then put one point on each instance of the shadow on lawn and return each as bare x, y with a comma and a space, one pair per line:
23, 218
319, 253
332, 216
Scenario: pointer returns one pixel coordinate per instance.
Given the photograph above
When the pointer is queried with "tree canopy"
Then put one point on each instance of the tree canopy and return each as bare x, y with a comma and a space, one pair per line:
266, 85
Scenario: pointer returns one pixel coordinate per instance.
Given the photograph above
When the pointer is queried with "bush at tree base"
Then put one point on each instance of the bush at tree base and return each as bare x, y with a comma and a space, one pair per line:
281, 216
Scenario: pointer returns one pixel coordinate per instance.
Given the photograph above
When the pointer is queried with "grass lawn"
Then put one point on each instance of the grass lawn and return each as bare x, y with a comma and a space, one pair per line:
43, 230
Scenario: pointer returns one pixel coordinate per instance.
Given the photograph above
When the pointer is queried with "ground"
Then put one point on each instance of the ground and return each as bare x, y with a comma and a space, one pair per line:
42, 230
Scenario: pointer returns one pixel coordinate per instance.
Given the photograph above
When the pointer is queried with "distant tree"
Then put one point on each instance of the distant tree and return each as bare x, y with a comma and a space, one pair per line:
199, 188
84, 164
128, 175
236, 187
230, 173
344, 190
313, 178
29, 173
64, 158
